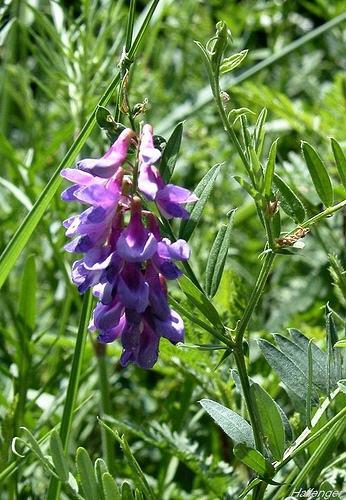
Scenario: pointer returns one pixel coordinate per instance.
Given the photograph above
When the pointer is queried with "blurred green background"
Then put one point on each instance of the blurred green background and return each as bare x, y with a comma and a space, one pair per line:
57, 59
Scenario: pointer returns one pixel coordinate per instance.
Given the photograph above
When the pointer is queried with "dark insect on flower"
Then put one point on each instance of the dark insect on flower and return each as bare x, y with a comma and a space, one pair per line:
127, 264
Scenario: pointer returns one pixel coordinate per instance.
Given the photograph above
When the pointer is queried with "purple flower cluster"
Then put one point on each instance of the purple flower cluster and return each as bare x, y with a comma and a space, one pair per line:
126, 262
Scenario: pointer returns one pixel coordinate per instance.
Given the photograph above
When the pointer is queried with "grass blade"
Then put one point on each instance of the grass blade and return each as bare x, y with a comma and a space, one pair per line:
66, 422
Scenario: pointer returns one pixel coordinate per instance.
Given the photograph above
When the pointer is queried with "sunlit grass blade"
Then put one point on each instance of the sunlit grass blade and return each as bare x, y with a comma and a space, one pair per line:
71, 395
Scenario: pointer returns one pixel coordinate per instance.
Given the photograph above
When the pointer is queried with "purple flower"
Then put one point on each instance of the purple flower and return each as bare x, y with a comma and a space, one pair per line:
148, 154
107, 165
136, 243
126, 264
168, 198
140, 342
133, 290
169, 201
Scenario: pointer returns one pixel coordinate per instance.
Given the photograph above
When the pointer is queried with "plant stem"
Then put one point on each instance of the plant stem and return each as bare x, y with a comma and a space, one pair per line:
66, 421
106, 406
239, 358
130, 25
322, 215
255, 295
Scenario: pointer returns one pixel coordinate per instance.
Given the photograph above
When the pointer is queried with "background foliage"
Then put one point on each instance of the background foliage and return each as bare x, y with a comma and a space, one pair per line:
57, 59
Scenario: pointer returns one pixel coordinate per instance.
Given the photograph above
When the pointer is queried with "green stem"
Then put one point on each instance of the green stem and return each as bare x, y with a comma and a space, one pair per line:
322, 215
239, 358
106, 406
228, 128
130, 25
334, 432
215, 85
255, 295
73, 384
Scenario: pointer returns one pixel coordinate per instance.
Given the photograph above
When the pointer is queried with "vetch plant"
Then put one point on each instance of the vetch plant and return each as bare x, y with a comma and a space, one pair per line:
127, 266
87, 422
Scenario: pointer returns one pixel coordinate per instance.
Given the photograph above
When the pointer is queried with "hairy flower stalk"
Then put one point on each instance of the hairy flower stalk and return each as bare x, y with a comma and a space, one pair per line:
125, 260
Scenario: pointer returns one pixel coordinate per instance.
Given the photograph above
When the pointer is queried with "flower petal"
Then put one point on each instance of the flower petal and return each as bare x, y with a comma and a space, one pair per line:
132, 290
107, 316
172, 328
136, 243
149, 181
106, 166
179, 250
96, 194
105, 337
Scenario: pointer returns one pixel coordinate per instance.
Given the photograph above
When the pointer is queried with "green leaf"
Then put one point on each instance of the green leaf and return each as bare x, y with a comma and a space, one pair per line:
259, 132
319, 174
58, 456
334, 364
309, 386
16, 192
340, 343
170, 153
193, 317
255, 460
138, 494
230, 422
271, 422
217, 257
284, 419
290, 202
299, 356
249, 487
269, 172
340, 160
237, 113
126, 491
232, 62
203, 191
110, 488
201, 301
290, 373
342, 385
319, 357
35, 447
106, 121
256, 195
137, 473
27, 299
100, 468
219, 44
86, 474
102, 117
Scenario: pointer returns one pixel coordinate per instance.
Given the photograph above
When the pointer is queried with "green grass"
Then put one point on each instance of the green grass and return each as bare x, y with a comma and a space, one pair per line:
144, 431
